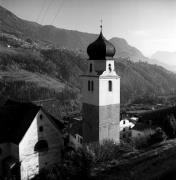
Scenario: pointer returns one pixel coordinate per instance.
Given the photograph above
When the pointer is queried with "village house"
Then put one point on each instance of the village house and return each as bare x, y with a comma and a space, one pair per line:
74, 139
30, 140
125, 128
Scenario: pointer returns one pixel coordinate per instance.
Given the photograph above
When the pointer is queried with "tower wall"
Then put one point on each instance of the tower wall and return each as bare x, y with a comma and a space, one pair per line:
109, 117
100, 122
90, 123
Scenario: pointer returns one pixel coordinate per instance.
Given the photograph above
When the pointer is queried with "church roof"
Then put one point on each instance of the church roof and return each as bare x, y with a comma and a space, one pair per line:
101, 49
15, 119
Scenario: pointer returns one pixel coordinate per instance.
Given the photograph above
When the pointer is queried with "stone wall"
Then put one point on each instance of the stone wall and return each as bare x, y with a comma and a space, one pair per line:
101, 123
90, 123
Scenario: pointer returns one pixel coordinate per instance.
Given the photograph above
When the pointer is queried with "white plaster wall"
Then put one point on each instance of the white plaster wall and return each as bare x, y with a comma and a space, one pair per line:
101, 96
31, 161
28, 158
107, 97
93, 68
90, 97
8, 149
126, 125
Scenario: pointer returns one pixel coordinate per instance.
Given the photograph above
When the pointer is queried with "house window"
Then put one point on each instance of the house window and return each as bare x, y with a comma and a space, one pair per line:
41, 128
90, 68
110, 85
92, 85
41, 116
88, 85
41, 146
123, 129
123, 122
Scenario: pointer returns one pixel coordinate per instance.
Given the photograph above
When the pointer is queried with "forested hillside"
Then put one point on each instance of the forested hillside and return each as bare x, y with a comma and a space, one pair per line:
34, 65
26, 73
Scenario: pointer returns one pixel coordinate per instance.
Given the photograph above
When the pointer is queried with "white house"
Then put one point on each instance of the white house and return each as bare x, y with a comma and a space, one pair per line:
125, 128
30, 140
126, 124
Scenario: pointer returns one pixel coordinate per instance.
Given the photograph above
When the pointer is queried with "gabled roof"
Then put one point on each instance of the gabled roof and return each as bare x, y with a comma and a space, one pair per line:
58, 123
15, 119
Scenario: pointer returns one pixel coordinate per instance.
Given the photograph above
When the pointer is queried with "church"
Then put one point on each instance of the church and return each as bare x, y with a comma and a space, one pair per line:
101, 94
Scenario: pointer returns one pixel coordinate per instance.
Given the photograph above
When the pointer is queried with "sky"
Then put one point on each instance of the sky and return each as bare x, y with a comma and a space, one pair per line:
149, 25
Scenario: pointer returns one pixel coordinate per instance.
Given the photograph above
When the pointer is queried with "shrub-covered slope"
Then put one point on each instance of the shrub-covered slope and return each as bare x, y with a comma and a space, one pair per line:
53, 69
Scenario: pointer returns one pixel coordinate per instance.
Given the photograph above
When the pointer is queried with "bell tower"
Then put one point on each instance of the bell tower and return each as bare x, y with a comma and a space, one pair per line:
101, 94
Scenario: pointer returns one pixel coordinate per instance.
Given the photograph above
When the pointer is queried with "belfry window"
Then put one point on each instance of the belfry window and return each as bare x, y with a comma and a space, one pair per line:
92, 85
110, 69
110, 85
90, 68
88, 85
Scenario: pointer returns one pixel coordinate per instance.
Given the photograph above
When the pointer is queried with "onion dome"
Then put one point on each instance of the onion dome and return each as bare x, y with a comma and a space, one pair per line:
101, 49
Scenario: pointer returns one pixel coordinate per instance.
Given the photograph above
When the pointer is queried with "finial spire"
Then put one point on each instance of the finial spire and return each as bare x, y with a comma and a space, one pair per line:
101, 26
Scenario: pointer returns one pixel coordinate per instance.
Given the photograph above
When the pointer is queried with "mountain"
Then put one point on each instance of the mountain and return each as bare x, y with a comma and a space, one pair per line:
124, 50
60, 38
165, 59
32, 69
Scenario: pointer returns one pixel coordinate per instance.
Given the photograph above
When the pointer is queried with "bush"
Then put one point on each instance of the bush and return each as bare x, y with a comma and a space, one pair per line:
149, 139
108, 150
158, 136
141, 142
76, 165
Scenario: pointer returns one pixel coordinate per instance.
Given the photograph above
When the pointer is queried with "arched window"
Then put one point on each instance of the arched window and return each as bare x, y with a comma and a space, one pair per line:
88, 85
92, 85
110, 69
41, 128
110, 85
90, 68
41, 146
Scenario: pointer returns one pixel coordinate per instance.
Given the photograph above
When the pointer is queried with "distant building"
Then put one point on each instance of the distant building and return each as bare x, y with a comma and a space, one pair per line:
30, 140
125, 128
101, 94
74, 139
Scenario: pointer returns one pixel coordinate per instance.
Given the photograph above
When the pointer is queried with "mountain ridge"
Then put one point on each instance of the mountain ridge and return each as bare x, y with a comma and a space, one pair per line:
61, 38
57, 67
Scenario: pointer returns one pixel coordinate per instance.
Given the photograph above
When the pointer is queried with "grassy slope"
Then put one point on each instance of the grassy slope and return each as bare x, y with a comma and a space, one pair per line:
157, 163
